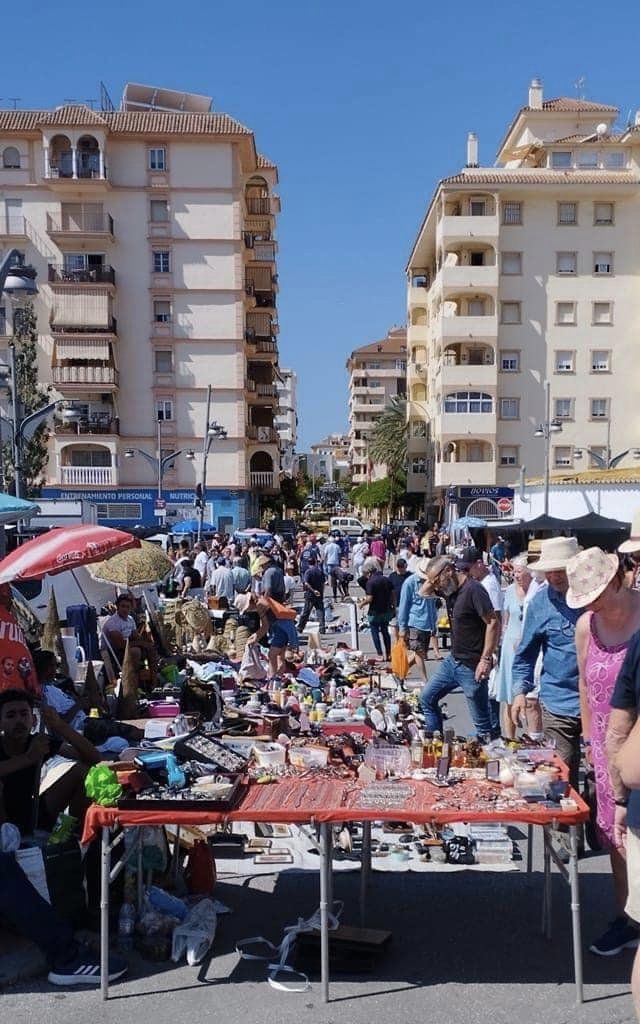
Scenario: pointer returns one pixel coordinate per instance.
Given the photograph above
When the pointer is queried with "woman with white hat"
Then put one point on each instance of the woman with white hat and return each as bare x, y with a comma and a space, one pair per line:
603, 633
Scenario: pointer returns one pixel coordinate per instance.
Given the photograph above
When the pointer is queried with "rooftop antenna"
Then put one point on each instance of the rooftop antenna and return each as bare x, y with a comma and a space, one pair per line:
579, 85
106, 103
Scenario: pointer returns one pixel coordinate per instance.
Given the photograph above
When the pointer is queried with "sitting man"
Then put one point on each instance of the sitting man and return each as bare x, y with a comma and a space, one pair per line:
22, 753
122, 627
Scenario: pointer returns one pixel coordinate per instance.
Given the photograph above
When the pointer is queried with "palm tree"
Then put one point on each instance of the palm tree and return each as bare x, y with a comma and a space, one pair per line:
388, 443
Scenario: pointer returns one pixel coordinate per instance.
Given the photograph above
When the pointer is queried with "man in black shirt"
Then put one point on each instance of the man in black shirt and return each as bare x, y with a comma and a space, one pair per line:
381, 604
474, 638
313, 587
397, 578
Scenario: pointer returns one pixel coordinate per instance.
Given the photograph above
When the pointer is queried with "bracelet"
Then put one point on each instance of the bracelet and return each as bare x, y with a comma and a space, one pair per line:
586, 743
622, 803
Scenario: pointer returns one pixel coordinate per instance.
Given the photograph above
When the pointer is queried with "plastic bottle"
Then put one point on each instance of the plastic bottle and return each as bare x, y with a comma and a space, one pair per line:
126, 925
416, 752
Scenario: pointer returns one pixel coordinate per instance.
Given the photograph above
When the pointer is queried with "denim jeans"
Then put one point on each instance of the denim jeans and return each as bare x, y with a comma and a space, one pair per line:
26, 911
380, 629
311, 602
449, 676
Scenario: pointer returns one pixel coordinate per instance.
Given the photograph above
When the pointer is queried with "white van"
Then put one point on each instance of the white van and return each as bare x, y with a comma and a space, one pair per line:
350, 526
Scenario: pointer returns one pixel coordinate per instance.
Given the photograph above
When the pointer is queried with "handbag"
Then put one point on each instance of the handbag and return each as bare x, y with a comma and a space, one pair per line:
589, 796
400, 659
280, 610
251, 666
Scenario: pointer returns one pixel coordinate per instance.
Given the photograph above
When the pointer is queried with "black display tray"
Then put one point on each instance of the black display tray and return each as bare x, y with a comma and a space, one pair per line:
145, 803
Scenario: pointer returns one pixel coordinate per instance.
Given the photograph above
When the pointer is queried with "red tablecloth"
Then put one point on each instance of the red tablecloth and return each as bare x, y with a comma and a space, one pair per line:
296, 801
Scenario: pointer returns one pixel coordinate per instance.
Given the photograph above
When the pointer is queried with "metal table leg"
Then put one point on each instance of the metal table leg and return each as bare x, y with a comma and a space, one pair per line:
105, 872
530, 849
575, 912
325, 853
546, 903
365, 868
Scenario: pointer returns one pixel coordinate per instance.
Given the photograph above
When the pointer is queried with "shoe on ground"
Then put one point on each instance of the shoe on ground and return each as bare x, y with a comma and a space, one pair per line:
84, 969
621, 934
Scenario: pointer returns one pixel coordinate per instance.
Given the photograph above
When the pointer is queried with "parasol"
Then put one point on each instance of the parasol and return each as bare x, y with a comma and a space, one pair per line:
134, 567
62, 549
192, 526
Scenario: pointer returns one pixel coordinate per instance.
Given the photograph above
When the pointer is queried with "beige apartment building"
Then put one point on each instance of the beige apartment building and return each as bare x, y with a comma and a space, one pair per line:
523, 273
152, 228
377, 372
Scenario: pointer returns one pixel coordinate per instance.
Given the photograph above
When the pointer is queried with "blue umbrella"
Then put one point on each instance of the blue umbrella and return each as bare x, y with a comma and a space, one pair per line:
468, 523
12, 509
191, 526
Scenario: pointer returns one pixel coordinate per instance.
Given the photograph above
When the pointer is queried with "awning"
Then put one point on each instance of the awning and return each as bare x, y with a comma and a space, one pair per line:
82, 348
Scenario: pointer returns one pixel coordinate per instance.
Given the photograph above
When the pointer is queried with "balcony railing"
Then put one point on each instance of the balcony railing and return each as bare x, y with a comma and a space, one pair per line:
265, 435
93, 476
59, 274
264, 480
84, 374
80, 224
259, 279
109, 328
260, 325
97, 424
259, 205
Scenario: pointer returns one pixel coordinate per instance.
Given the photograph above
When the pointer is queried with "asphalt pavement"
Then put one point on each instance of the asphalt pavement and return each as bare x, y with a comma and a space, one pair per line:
466, 948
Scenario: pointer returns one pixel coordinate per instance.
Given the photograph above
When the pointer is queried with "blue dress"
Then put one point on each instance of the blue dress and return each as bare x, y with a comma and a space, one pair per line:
510, 641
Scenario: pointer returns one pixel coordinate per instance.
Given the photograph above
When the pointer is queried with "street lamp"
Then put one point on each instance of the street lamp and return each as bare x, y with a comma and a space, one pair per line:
160, 463
546, 429
214, 431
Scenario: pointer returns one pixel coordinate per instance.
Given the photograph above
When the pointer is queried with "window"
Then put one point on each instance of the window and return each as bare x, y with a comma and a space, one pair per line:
565, 361
587, 158
164, 409
159, 211
162, 311
509, 408
508, 455
161, 262
477, 259
476, 307
510, 312
477, 207
563, 408
510, 361
112, 510
512, 213
599, 408
567, 213
163, 360
98, 457
158, 159
562, 456
614, 160
468, 401
374, 366
603, 262
400, 364
603, 213
561, 158
602, 313
11, 159
3, 320
566, 262
419, 466
601, 361
565, 313
511, 262
418, 428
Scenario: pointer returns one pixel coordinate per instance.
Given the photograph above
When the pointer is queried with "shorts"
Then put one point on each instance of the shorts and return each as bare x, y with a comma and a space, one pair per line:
633, 874
419, 640
283, 633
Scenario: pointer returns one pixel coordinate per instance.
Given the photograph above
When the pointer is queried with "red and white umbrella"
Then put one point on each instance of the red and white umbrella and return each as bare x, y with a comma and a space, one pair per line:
62, 549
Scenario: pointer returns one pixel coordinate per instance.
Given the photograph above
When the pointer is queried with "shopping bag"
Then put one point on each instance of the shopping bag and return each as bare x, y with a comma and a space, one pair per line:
251, 666
400, 659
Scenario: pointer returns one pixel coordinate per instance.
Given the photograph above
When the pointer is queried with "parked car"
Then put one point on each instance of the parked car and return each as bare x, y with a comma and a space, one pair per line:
287, 528
350, 526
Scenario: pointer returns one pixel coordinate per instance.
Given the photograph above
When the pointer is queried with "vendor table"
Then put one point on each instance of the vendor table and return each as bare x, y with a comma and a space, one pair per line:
322, 802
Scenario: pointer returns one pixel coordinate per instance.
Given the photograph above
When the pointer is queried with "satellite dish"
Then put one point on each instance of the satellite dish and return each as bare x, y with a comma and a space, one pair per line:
601, 130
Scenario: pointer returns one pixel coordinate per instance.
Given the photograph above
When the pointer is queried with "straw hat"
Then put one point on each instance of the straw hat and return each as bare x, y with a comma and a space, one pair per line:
633, 544
555, 552
589, 573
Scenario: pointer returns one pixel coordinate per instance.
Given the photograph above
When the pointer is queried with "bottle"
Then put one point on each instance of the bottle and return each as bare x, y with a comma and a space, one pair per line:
457, 754
416, 752
437, 744
428, 758
332, 691
126, 925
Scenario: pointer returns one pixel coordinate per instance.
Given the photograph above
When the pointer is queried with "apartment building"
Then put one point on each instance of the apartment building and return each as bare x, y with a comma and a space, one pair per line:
287, 421
523, 273
377, 372
330, 457
152, 228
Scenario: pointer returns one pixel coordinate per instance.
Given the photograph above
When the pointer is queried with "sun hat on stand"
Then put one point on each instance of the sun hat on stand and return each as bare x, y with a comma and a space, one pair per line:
555, 552
633, 544
589, 573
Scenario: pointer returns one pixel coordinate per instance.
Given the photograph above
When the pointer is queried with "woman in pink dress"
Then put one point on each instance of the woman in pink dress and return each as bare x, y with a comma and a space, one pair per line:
612, 617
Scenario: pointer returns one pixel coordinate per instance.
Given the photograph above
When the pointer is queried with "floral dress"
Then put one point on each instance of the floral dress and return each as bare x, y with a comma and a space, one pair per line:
601, 672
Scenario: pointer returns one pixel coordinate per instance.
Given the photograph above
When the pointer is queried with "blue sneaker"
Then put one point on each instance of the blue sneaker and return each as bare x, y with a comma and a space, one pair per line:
621, 934
84, 969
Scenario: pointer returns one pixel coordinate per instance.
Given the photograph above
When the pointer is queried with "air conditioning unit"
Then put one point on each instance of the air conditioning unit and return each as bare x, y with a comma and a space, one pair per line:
264, 433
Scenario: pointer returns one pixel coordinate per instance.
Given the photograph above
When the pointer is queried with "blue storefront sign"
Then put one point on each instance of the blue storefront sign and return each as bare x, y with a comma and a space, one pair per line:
136, 506
486, 492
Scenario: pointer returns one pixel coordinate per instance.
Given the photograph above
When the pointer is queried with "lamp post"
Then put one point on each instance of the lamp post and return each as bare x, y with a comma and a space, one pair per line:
212, 432
607, 461
546, 429
160, 463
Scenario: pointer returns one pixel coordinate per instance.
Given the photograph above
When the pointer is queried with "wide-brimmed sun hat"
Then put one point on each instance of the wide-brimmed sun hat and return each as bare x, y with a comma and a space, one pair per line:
633, 544
555, 552
589, 573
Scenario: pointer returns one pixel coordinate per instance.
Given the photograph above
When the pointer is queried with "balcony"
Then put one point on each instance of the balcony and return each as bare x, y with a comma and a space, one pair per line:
59, 274
84, 224
465, 228
368, 409
97, 423
474, 424
451, 474
463, 327
260, 325
88, 476
259, 392
261, 283
257, 229
264, 480
13, 226
467, 375
88, 376
262, 205
261, 435
477, 279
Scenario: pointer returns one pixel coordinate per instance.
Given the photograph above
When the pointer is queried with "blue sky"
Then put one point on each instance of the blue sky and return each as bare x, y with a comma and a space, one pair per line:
363, 105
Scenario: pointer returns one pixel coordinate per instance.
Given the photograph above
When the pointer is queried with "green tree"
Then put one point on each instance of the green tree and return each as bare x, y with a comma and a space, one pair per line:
31, 396
388, 446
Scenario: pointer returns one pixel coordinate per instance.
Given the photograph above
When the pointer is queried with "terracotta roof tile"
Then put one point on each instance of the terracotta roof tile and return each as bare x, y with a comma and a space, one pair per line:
264, 161
394, 344
613, 137
155, 122
541, 176
571, 104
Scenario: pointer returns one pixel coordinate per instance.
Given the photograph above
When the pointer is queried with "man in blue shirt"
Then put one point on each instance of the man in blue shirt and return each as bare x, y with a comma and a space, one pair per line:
332, 558
417, 615
550, 627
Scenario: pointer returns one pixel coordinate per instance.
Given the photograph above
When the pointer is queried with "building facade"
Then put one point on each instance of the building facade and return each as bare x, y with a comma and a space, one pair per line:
522, 274
152, 229
329, 458
287, 421
377, 372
